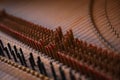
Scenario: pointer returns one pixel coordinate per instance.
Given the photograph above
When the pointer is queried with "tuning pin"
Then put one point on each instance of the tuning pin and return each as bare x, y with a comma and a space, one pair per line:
62, 58
53, 50
65, 45
7, 52
47, 51
32, 59
68, 61
43, 67
37, 45
9, 46
62, 73
31, 63
72, 77
71, 37
20, 59
1, 52
14, 56
29, 41
1, 43
23, 58
59, 33
16, 51
53, 71
39, 65
40, 47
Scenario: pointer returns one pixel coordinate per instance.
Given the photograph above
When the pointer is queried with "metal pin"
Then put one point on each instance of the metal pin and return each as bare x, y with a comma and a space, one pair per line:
53, 71
43, 67
9, 46
16, 51
62, 73
1, 52
72, 77
1, 43
20, 58
32, 58
31, 63
7, 52
23, 58
14, 56
39, 65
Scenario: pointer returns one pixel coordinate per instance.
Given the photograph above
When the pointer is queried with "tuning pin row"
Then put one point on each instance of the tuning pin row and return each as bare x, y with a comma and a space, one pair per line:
14, 54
